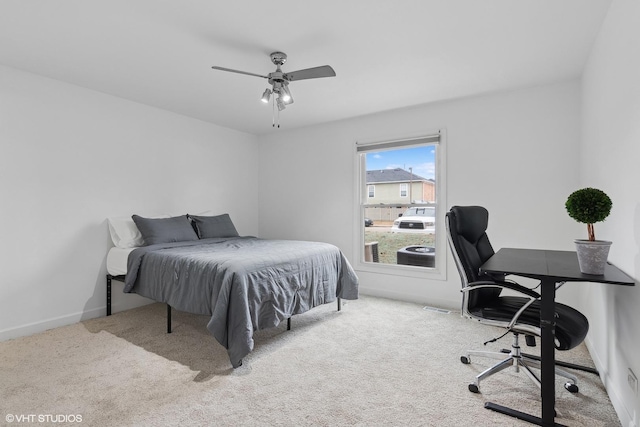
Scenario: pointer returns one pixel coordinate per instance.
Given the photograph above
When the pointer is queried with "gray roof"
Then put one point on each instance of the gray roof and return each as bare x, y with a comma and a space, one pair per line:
393, 175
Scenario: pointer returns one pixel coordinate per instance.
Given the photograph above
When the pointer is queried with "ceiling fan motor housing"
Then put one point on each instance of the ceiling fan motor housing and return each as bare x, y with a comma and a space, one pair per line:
278, 78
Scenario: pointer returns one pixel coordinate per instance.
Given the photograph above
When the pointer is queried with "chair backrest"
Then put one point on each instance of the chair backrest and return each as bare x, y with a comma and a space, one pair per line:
467, 235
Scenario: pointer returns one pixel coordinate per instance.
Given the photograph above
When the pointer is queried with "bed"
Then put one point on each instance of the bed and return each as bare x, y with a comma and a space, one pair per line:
244, 283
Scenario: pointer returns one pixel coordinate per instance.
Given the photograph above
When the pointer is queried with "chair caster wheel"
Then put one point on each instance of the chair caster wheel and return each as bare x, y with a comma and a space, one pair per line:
465, 360
571, 388
473, 388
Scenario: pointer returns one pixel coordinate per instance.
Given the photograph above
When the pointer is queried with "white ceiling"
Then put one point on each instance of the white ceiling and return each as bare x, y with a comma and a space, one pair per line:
386, 54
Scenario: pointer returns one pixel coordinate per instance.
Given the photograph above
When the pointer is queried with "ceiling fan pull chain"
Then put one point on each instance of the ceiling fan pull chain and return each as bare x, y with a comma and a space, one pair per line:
273, 112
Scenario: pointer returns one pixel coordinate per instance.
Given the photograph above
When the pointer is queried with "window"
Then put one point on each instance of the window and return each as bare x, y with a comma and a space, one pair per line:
403, 227
371, 191
403, 190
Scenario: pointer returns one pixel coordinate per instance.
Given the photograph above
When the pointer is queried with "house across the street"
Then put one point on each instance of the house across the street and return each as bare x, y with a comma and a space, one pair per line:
398, 188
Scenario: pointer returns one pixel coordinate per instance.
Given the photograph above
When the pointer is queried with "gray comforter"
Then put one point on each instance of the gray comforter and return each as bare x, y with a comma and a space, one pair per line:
245, 284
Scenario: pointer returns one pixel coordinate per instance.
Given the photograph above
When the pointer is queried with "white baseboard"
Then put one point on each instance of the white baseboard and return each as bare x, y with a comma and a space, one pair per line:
44, 325
401, 296
70, 319
623, 413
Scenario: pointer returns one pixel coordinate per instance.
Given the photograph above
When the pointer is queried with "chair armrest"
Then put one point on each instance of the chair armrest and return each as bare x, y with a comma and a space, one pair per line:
502, 284
533, 295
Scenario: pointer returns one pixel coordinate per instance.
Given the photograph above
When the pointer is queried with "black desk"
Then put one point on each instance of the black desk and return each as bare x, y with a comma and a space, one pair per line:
551, 268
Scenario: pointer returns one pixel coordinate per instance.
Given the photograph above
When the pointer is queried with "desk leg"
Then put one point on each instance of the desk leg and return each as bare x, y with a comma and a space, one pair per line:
547, 362
109, 277
547, 350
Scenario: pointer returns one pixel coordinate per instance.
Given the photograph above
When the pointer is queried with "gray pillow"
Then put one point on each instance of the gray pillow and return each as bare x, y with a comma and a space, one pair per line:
214, 226
165, 230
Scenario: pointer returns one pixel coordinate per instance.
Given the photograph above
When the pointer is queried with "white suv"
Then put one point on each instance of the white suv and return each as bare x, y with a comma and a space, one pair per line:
416, 220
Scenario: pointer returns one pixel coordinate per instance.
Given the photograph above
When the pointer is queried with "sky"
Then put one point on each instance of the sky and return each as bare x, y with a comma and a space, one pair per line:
421, 159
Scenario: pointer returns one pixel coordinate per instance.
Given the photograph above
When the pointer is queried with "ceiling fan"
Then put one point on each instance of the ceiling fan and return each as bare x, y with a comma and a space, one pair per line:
279, 80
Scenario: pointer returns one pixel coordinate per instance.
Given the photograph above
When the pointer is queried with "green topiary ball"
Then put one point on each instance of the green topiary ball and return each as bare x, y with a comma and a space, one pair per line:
588, 205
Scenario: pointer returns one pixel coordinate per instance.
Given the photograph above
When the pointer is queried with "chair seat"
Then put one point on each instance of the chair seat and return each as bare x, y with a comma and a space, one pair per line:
571, 325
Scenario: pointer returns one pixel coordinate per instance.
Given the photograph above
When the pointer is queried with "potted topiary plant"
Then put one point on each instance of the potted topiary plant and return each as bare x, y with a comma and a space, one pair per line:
588, 206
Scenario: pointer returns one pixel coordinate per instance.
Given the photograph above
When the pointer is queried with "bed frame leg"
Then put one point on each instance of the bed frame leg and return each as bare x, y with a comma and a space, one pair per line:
168, 319
339, 304
109, 277
288, 323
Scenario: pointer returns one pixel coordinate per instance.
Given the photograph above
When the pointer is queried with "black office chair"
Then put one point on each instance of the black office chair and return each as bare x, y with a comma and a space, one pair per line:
482, 300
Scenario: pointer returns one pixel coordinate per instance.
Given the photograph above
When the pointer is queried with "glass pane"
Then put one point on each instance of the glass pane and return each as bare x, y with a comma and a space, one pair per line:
400, 218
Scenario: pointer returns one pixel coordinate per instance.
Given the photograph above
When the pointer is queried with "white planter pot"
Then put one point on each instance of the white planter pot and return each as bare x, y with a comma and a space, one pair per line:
592, 255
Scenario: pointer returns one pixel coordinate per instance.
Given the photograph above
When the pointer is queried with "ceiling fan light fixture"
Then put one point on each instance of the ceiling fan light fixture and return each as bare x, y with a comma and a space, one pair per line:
285, 94
280, 104
266, 95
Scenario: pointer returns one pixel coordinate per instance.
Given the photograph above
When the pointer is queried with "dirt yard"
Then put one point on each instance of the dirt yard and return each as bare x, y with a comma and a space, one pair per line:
389, 243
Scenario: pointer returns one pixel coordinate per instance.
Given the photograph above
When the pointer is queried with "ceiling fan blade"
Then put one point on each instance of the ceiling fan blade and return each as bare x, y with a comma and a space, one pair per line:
239, 72
311, 73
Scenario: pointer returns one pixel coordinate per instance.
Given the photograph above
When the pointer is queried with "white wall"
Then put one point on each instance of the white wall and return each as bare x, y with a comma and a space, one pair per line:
72, 157
610, 156
513, 152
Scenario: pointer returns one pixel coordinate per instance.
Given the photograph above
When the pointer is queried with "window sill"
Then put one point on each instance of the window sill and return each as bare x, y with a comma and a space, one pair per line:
401, 270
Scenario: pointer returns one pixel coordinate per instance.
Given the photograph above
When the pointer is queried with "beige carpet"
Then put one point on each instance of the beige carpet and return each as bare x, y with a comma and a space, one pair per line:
377, 362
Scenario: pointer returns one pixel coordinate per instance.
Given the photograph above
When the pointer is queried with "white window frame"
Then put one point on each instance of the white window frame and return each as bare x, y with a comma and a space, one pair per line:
404, 186
439, 272
371, 189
